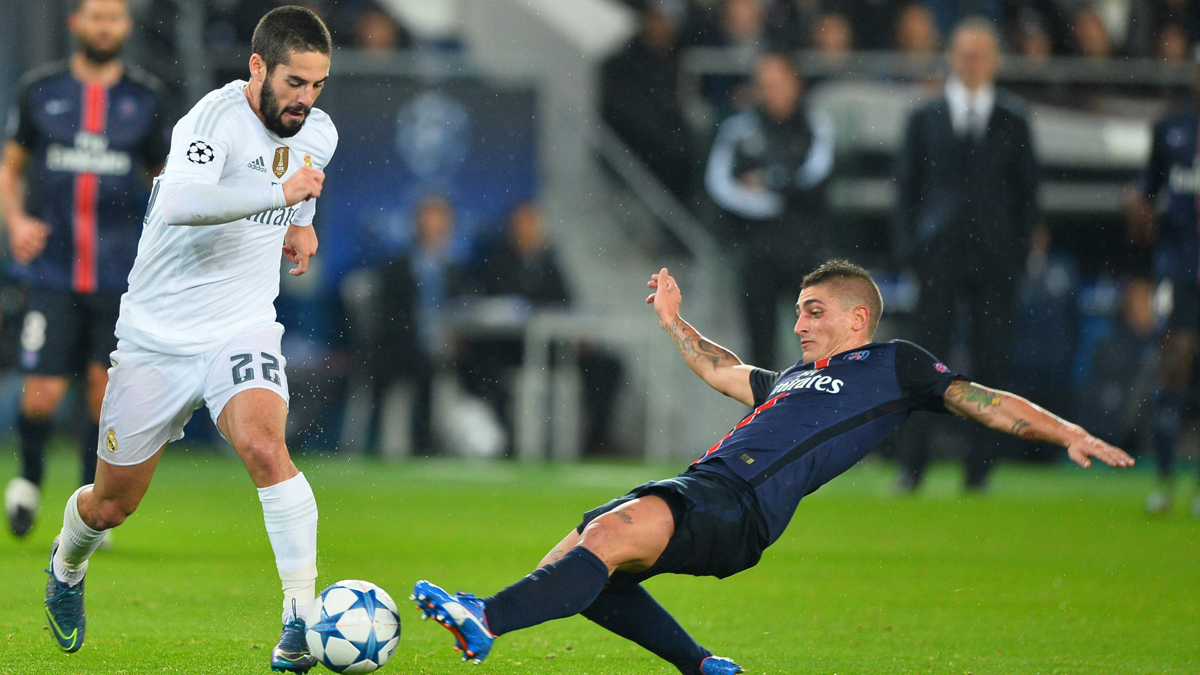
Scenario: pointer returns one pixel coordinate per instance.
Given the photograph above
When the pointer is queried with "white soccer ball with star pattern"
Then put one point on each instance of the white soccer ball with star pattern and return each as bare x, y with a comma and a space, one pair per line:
353, 627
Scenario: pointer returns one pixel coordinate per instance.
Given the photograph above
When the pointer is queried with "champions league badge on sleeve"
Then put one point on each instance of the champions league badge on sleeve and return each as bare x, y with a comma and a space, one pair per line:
200, 152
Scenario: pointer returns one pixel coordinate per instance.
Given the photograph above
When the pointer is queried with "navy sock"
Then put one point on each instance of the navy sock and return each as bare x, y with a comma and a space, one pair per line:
630, 611
1167, 414
556, 591
33, 435
87, 453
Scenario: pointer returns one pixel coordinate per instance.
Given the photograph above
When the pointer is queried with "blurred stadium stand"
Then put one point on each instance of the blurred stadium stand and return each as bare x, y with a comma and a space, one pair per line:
487, 68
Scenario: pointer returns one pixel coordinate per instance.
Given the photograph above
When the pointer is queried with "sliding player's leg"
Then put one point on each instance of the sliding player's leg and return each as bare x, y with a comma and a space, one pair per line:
631, 612
629, 537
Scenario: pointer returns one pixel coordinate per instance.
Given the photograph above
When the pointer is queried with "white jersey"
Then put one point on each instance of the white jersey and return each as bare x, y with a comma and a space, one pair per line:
194, 287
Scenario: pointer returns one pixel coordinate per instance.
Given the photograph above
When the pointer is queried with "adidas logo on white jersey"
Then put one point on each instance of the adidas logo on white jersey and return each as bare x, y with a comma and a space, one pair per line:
258, 165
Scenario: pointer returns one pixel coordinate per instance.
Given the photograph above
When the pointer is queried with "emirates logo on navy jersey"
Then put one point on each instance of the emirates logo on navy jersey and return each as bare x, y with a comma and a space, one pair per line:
856, 356
200, 152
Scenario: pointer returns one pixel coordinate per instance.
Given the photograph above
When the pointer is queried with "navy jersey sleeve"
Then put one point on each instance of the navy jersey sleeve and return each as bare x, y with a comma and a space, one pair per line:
923, 378
21, 125
157, 143
761, 384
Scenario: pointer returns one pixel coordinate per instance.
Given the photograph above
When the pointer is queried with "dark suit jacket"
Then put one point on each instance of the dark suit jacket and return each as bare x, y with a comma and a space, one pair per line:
975, 199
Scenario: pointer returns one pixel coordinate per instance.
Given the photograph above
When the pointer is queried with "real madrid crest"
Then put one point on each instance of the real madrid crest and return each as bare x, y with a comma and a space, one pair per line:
110, 441
280, 165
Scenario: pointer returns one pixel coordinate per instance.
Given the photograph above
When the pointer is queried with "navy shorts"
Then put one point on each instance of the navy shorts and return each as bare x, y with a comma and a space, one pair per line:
719, 528
63, 331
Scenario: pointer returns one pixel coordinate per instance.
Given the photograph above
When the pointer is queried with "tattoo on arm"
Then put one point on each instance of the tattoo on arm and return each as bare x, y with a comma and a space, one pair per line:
967, 393
694, 346
556, 554
1021, 428
625, 517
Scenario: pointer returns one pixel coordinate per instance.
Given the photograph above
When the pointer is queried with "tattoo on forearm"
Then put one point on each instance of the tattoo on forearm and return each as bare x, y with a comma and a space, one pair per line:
1021, 428
967, 394
556, 554
694, 346
625, 517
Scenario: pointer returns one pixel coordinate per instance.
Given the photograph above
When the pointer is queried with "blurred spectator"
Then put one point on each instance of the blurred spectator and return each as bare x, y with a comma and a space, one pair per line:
767, 171
916, 30
1091, 36
1171, 43
413, 290
833, 34
1122, 379
1163, 211
376, 31
1037, 28
640, 101
1030, 37
966, 182
1183, 13
742, 23
522, 268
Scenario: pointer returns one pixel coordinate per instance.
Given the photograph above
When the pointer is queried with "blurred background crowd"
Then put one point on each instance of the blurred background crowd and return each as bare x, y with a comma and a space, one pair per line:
511, 171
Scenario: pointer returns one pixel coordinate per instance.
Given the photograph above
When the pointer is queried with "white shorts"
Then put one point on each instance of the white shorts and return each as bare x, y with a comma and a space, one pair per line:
151, 396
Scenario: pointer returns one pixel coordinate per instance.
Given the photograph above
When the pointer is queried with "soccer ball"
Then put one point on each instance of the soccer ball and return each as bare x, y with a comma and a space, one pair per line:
353, 627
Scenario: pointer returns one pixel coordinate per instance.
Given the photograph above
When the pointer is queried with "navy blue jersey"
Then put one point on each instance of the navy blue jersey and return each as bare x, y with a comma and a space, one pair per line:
1174, 178
90, 149
814, 421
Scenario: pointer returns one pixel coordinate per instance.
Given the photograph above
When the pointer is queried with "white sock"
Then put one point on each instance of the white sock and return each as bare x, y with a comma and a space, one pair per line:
76, 543
290, 514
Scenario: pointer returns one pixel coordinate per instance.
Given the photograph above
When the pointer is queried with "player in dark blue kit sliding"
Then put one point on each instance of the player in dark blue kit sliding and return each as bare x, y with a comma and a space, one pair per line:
84, 140
810, 423
1172, 180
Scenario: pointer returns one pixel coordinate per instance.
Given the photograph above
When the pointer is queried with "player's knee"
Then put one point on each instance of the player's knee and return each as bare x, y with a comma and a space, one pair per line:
265, 456
602, 533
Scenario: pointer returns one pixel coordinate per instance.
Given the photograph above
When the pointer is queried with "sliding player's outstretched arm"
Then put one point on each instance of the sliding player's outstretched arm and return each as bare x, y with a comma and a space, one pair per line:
1007, 412
717, 366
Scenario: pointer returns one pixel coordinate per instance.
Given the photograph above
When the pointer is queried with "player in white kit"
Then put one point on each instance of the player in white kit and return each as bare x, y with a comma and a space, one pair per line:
197, 326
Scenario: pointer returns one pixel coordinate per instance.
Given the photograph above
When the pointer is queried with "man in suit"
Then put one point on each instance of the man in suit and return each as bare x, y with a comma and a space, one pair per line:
967, 204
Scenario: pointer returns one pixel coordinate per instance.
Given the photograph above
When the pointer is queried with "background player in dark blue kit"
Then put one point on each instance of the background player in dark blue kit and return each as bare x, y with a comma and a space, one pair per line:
1165, 211
83, 141
810, 423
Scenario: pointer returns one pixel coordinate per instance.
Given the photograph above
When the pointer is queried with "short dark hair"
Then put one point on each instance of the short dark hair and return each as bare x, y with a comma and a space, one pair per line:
853, 285
77, 5
288, 29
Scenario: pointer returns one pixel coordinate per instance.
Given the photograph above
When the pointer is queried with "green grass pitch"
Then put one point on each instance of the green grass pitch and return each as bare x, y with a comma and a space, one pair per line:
1055, 571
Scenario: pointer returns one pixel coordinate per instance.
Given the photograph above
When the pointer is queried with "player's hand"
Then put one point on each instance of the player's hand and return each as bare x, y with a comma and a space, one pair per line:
1083, 449
304, 184
666, 297
27, 237
299, 244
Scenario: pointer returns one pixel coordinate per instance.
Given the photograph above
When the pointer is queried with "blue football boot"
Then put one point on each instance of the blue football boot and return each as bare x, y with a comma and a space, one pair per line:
291, 655
64, 609
461, 614
719, 665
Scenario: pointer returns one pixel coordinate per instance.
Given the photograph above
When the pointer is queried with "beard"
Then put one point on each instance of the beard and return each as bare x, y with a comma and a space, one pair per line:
97, 55
273, 114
